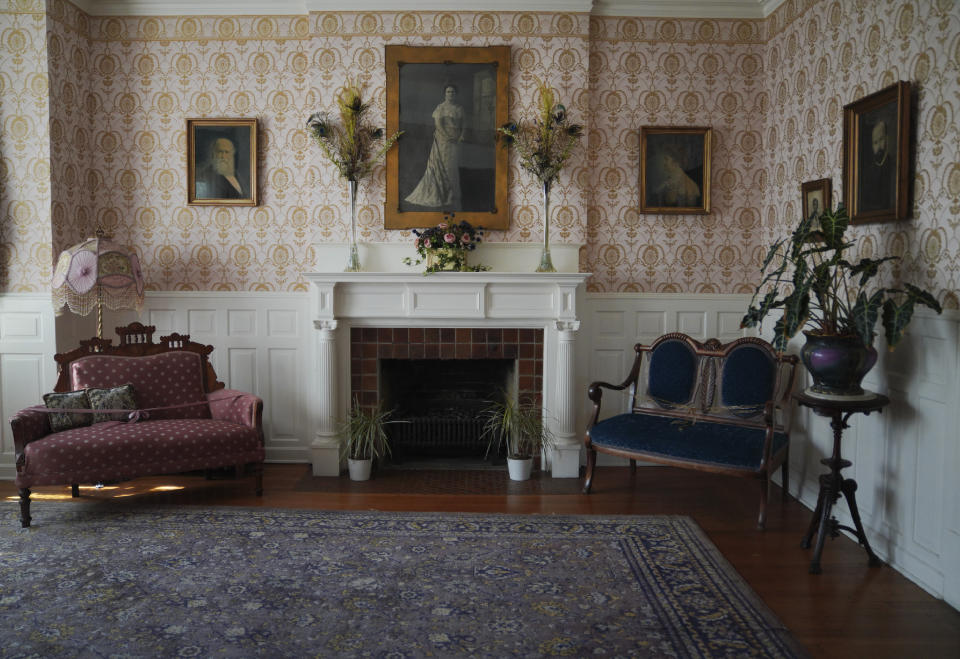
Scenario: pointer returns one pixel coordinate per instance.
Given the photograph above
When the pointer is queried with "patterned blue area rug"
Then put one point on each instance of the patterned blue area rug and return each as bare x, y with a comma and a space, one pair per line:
93, 580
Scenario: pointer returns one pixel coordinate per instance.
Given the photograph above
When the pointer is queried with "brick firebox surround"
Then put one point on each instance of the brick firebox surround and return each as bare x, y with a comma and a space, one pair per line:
370, 344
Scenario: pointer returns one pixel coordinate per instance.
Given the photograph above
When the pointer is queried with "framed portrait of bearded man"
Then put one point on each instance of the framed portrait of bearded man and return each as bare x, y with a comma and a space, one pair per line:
222, 162
876, 155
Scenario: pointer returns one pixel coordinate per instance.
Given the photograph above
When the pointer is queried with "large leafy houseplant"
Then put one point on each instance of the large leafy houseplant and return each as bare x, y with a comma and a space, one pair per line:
808, 276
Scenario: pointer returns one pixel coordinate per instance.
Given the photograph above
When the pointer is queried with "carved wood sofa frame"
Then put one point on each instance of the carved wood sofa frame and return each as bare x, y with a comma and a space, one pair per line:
136, 340
695, 410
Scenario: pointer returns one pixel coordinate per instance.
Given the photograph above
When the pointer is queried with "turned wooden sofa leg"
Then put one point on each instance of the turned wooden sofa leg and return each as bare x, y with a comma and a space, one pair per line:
75, 490
25, 507
591, 463
785, 476
633, 467
258, 479
764, 492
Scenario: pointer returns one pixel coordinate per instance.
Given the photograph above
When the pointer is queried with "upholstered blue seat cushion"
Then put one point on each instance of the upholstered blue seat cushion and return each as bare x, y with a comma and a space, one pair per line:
703, 441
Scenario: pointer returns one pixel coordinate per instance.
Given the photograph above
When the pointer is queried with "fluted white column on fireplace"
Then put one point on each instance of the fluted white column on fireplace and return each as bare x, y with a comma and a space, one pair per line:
458, 299
566, 452
326, 442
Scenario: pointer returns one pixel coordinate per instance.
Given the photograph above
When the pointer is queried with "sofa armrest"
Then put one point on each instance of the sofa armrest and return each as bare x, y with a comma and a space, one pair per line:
28, 425
236, 407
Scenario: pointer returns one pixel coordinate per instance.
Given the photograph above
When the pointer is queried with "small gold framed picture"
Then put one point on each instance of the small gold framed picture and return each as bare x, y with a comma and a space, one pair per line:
675, 169
222, 162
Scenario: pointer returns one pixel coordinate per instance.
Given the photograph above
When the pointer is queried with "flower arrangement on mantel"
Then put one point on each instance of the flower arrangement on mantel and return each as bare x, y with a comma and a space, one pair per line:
350, 145
545, 145
444, 248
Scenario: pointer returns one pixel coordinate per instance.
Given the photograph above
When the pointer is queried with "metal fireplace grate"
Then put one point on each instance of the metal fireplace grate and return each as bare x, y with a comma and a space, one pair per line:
439, 404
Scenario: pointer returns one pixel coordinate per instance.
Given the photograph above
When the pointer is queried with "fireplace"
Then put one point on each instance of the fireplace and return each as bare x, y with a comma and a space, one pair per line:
439, 380
438, 404
364, 318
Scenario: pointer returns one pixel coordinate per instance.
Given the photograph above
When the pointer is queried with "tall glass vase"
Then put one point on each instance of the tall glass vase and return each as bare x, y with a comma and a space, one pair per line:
546, 263
353, 262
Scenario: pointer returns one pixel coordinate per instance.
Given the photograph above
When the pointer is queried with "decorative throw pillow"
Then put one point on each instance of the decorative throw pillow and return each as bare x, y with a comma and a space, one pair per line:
118, 398
67, 400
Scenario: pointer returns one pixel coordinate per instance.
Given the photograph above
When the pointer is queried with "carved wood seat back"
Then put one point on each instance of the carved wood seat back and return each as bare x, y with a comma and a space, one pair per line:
136, 340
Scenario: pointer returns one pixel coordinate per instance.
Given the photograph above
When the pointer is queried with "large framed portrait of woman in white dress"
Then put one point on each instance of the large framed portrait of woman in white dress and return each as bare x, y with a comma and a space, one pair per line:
448, 102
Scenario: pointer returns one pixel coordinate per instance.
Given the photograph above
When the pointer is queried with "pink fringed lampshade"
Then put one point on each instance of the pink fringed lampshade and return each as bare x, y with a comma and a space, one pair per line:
96, 273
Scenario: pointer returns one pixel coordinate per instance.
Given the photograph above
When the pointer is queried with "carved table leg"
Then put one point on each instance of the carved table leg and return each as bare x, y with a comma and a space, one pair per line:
814, 520
829, 498
849, 488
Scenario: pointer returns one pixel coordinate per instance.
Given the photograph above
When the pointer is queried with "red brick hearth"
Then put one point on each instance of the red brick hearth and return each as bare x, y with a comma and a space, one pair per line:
369, 344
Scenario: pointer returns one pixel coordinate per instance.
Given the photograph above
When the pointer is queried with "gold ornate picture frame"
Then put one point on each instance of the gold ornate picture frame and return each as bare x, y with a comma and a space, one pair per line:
876, 155
448, 101
222, 162
815, 197
675, 169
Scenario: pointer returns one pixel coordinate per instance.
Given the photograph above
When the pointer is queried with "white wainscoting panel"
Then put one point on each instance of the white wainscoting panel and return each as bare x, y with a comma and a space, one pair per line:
262, 344
27, 369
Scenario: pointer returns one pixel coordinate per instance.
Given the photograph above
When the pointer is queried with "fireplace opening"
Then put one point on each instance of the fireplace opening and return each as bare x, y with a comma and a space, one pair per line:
440, 402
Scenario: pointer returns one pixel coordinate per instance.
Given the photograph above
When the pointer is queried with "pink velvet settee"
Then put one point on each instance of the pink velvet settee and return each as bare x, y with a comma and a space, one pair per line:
187, 420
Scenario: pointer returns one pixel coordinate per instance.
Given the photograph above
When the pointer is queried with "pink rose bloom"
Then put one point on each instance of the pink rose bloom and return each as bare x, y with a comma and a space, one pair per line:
427, 243
416, 243
442, 225
465, 238
449, 237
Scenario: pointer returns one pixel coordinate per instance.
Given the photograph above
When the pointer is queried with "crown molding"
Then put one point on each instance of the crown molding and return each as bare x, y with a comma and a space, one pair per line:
687, 8
582, 6
651, 8
303, 7
190, 8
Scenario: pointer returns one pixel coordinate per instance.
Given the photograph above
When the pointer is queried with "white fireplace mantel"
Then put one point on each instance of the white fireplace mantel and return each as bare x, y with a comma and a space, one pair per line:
456, 299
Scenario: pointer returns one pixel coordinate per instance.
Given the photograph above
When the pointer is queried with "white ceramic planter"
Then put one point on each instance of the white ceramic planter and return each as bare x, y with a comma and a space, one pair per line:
520, 469
359, 469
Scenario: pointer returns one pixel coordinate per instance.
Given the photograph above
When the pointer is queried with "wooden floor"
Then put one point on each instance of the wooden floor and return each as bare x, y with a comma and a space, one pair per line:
850, 610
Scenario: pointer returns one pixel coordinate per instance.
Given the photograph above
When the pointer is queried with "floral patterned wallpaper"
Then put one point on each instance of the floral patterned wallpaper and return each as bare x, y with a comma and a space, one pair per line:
646, 72
824, 55
772, 90
25, 251
75, 179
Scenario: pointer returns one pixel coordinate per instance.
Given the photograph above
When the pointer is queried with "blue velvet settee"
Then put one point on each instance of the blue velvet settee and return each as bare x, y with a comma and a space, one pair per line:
708, 406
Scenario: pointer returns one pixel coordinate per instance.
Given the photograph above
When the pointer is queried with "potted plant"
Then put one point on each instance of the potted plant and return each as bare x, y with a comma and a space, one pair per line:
365, 438
518, 429
808, 276
445, 247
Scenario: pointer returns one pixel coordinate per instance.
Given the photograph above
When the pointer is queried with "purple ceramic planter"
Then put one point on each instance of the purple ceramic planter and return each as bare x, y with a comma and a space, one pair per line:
837, 363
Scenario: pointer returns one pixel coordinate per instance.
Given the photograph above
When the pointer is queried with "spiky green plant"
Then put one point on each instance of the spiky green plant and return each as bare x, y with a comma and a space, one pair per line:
545, 145
364, 432
516, 427
350, 145
807, 275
